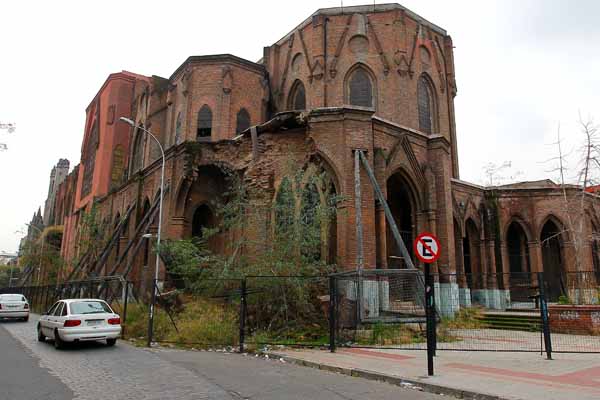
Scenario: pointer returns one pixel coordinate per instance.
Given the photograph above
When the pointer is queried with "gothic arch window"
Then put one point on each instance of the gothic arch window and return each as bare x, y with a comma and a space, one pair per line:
118, 166
202, 220
284, 208
178, 128
426, 105
204, 122
596, 252
89, 162
360, 88
138, 152
243, 121
297, 99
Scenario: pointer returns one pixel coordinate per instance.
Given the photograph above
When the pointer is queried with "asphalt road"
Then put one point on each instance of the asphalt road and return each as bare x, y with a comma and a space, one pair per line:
32, 370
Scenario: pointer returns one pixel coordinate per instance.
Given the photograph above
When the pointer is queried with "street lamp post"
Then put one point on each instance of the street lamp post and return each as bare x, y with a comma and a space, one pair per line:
162, 180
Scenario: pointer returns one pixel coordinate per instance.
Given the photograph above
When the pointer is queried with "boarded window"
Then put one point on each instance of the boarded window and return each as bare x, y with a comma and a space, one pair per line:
298, 97
110, 117
178, 129
204, 122
361, 89
89, 162
118, 166
243, 121
425, 103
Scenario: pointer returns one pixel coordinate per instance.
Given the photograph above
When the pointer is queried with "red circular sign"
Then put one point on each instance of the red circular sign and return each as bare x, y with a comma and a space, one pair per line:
427, 247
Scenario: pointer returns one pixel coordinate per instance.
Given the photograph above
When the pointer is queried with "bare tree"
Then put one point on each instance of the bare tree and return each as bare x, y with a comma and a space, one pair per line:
10, 127
574, 195
495, 175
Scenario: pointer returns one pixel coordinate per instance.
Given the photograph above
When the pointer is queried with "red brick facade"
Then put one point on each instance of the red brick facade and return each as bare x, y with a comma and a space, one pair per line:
384, 55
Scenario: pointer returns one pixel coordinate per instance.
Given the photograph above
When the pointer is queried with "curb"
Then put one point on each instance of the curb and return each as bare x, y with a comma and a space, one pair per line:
394, 380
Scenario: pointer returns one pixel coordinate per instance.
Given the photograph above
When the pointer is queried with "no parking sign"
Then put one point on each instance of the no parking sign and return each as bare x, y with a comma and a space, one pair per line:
427, 247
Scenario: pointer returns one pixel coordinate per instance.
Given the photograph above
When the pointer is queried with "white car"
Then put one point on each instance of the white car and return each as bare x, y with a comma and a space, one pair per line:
78, 320
14, 306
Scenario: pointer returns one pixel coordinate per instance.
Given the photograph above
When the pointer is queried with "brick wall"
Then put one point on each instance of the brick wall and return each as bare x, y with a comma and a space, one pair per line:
578, 320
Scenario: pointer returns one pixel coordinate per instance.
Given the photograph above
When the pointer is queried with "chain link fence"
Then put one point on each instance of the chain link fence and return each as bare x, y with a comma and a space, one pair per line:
370, 308
114, 290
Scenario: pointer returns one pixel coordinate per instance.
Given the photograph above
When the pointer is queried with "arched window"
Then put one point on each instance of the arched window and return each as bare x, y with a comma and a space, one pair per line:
89, 161
202, 219
596, 252
243, 121
138, 152
178, 129
360, 88
284, 209
297, 99
118, 166
426, 105
204, 122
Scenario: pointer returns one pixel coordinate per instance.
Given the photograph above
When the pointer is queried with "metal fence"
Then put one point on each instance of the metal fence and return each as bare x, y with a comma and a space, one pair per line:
114, 290
371, 308
474, 312
489, 312
574, 320
253, 311
379, 308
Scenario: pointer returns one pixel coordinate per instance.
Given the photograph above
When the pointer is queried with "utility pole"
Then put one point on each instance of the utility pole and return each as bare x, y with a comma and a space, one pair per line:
160, 204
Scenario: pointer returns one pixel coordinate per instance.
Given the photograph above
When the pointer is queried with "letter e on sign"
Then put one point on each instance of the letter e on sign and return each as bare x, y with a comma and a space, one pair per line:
427, 247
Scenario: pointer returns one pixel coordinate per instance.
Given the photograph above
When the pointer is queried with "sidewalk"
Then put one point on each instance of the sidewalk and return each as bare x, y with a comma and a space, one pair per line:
481, 375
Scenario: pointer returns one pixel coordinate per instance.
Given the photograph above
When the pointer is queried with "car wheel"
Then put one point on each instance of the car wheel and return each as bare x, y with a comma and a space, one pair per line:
111, 342
58, 343
26, 318
41, 337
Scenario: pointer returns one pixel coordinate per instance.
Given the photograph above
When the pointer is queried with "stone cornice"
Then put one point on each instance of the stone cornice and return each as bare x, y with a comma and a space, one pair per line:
219, 59
364, 9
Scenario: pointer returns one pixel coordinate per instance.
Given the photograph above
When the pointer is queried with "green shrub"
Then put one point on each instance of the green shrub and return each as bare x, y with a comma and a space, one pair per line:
205, 322
201, 322
390, 334
564, 300
465, 318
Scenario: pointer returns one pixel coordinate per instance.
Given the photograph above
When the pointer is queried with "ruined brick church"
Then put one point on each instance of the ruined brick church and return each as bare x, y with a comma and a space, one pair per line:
375, 78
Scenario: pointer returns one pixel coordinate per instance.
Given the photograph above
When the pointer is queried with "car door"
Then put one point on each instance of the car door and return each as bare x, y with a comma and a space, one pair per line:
56, 317
45, 319
60, 319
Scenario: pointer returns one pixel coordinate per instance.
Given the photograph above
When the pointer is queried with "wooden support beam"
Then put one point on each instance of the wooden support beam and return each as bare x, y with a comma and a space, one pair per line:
97, 267
388, 213
78, 267
142, 227
360, 261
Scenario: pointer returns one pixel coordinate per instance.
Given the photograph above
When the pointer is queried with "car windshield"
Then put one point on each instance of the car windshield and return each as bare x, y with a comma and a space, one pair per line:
89, 307
12, 297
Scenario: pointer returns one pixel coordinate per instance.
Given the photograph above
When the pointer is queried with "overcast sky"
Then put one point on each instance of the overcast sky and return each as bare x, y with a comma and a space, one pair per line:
522, 66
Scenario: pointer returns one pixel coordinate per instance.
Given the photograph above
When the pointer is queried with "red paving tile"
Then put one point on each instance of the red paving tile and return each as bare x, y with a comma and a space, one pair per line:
377, 354
585, 377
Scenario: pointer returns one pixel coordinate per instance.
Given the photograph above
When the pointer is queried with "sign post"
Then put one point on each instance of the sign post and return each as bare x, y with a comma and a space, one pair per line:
427, 249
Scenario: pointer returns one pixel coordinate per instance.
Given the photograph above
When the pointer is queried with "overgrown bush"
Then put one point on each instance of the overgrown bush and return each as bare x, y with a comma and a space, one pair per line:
202, 323
382, 334
465, 318
290, 239
564, 300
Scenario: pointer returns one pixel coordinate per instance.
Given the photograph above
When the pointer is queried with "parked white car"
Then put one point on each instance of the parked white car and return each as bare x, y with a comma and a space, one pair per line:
14, 306
78, 320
